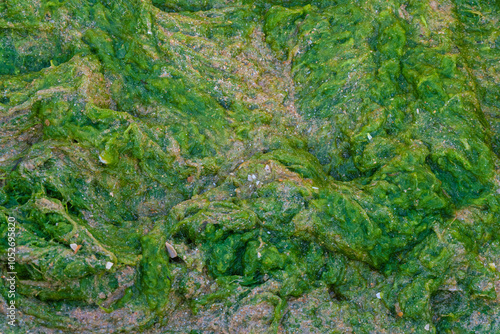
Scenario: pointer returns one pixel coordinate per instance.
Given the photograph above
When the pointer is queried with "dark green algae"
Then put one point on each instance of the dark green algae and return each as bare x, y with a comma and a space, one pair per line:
293, 153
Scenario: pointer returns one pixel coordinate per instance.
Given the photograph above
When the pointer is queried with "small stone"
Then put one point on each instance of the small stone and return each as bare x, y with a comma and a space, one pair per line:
254, 177
378, 295
369, 136
109, 265
427, 327
267, 169
102, 295
249, 177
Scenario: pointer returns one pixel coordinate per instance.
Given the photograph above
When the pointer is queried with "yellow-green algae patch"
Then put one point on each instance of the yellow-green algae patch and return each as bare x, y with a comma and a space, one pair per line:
323, 166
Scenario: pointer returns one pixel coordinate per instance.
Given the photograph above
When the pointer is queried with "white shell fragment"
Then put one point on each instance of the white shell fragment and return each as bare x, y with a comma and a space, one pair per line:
427, 327
171, 251
74, 247
109, 265
378, 295
369, 136
101, 159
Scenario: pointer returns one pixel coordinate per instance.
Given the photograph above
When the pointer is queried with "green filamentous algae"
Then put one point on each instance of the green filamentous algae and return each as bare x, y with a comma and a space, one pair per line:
316, 166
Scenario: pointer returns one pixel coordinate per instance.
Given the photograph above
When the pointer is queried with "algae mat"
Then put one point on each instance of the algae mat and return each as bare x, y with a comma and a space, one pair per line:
317, 166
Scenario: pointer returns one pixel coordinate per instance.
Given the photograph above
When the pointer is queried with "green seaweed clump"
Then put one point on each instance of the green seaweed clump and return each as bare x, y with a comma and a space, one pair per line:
315, 166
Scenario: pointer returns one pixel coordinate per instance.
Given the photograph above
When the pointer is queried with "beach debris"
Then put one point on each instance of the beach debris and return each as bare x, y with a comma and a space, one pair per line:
75, 247
171, 251
102, 160
398, 310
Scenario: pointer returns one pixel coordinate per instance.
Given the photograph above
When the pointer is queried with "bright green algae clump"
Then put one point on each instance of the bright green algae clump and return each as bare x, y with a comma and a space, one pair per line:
321, 166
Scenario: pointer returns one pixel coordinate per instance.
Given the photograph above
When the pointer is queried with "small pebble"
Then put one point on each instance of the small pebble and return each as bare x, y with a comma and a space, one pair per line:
369, 136
267, 169
109, 265
379, 296
427, 327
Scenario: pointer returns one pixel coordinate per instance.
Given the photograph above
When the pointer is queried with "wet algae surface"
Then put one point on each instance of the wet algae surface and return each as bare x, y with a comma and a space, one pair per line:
318, 166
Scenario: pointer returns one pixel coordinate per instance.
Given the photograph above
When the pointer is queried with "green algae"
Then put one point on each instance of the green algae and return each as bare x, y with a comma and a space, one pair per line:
339, 157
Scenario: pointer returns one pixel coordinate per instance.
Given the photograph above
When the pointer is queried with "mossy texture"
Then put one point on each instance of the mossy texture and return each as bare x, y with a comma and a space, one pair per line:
318, 166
